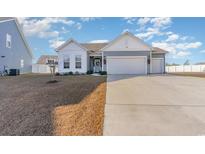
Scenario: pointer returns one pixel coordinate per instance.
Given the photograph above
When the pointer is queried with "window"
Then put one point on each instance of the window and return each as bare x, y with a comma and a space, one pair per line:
66, 62
22, 63
8, 41
78, 61
50, 61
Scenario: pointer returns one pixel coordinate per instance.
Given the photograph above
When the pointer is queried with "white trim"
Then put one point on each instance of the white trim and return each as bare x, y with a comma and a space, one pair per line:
8, 40
102, 61
128, 57
150, 63
6, 20
23, 37
122, 35
67, 43
159, 52
157, 58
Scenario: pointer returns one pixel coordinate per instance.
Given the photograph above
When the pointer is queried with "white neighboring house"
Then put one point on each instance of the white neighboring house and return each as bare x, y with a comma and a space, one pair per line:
126, 54
42, 65
14, 50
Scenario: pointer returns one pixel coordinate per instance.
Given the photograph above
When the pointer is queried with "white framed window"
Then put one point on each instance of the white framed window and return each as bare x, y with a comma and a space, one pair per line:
66, 62
50, 61
78, 61
8, 40
22, 63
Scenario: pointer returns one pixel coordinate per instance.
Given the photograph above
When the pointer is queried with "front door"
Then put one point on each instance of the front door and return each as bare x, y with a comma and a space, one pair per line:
97, 65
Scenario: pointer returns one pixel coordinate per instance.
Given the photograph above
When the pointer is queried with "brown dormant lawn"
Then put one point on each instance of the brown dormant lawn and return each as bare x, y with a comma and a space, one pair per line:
72, 106
193, 74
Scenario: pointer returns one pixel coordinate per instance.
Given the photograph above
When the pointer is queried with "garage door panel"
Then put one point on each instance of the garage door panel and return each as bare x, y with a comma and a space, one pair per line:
126, 65
157, 65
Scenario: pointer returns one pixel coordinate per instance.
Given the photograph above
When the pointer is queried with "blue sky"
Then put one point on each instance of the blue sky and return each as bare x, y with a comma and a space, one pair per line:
183, 37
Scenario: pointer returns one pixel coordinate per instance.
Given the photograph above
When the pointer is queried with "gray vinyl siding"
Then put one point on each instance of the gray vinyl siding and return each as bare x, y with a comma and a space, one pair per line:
158, 55
128, 53
18, 50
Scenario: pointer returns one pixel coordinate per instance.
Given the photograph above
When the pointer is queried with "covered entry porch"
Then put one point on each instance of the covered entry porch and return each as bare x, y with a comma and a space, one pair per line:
97, 63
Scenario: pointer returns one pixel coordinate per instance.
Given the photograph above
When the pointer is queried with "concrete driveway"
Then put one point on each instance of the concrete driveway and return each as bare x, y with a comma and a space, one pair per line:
154, 105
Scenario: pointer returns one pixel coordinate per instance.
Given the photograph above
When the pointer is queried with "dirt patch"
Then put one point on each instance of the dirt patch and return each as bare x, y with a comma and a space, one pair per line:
194, 74
30, 106
85, 118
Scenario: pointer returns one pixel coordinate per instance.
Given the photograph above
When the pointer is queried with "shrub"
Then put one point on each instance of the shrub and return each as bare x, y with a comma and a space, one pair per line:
89, 72
77, 73
103, 73
57, 74
70, 73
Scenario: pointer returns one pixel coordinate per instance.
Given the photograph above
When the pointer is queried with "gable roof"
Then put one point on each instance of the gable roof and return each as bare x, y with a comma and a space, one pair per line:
122, 35
67, 43
158, 50
98, 47
94, 47
43, 59
7, 19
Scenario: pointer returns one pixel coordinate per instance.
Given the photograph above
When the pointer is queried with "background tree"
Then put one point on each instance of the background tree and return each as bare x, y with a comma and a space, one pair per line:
187, 62
52, 64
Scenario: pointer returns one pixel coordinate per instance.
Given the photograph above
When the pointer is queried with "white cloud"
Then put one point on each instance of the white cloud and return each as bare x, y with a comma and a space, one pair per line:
78, 26
125, 30
172, 37
183, 53
150, 27
177, 49
185, 46
87, 19
149, 33
202, 51
99, 41
166, 46
143, 21
42, 27
64, 30
54, 43
184, 38
130, 20
161, 22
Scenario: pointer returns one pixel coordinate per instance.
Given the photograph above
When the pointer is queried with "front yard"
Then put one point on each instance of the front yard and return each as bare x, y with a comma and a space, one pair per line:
72, 106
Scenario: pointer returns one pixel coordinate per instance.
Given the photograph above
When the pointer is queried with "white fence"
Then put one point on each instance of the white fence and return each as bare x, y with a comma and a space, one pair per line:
41, 68
186, 68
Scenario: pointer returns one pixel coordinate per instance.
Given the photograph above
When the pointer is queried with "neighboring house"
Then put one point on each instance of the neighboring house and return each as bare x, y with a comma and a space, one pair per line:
14, 50
126, 54
42, 65
47, 59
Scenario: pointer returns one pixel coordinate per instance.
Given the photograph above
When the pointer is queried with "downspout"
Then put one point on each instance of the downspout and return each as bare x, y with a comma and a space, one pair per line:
150, 65
102, 61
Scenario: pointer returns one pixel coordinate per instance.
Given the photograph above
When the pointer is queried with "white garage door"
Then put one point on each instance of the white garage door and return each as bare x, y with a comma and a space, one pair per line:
157, 65
126, 65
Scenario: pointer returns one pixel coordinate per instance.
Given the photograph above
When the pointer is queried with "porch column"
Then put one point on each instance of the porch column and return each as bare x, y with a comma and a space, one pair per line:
102, 62
150, 65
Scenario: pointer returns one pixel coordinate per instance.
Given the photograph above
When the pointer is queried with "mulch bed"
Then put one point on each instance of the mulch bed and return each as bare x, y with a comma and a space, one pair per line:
72, 106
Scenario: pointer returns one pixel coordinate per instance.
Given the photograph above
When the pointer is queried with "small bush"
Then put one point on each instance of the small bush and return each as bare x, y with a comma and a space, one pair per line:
103, 73
70, 73
66, 73
77, 73
89, 72
57, 74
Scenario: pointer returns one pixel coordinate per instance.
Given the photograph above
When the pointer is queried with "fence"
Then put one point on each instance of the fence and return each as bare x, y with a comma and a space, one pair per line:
41, 68
186, 68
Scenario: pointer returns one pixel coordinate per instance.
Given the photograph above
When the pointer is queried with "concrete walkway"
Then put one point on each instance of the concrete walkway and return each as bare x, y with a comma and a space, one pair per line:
155, 105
